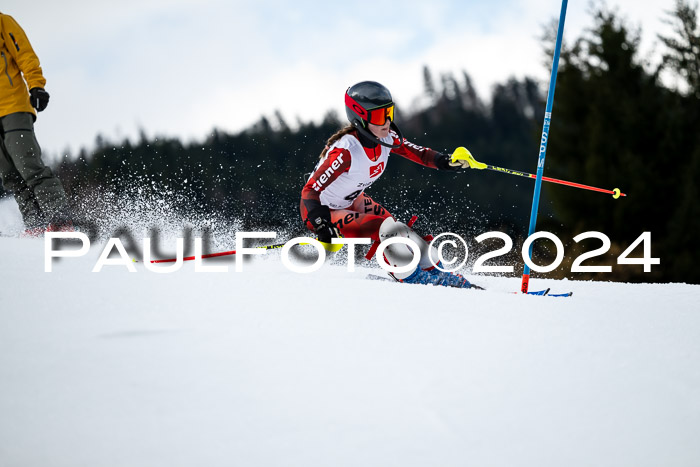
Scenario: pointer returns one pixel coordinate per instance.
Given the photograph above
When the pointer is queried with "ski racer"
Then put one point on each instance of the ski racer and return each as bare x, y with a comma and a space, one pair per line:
333, 200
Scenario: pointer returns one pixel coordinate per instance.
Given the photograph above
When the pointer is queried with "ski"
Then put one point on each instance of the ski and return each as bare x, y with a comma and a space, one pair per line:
567, 294
541, 293
545, 292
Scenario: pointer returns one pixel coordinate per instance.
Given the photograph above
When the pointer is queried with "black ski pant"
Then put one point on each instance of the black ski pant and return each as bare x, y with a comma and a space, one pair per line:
38, 192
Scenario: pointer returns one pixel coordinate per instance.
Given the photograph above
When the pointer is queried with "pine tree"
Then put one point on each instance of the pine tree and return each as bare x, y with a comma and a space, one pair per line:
683, 55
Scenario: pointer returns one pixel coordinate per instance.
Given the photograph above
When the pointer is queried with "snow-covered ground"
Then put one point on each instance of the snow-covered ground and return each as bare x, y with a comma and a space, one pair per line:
272, 368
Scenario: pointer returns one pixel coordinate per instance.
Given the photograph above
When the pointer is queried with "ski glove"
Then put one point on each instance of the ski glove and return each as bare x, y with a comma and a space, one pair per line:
39, 98
443, 162
463, 159
320, 218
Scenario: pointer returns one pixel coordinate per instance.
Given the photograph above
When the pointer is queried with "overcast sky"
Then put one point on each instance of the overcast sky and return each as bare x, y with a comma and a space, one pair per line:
183, 67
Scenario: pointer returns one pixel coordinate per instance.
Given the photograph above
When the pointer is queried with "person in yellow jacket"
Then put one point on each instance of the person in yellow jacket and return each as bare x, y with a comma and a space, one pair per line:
38, 192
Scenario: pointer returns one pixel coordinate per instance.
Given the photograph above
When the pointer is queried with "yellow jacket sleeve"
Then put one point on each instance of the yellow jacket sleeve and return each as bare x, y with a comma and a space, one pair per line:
21, 50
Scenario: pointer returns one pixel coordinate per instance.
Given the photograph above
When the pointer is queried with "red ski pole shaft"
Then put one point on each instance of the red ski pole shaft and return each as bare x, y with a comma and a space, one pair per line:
214, 255
616, 192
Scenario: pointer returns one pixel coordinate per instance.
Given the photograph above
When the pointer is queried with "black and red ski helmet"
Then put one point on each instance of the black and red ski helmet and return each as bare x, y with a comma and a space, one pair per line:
369, 101
363, 98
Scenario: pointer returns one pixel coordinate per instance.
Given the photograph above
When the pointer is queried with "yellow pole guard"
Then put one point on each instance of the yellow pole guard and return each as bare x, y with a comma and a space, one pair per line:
463, 154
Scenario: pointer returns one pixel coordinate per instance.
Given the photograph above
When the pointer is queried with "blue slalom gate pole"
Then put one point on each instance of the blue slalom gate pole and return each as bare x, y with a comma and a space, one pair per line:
543, 144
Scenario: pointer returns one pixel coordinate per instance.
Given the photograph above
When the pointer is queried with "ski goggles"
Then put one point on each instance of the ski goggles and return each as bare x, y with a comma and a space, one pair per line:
376, 116
379, 116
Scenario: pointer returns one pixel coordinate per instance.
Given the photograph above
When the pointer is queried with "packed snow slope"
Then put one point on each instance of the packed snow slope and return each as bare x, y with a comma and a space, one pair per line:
267, 367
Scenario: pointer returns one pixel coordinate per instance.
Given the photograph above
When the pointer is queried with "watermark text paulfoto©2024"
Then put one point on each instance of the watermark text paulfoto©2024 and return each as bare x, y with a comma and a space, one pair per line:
438, 244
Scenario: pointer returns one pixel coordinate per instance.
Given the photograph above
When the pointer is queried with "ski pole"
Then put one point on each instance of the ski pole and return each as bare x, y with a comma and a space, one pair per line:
327, 246
214, 255
615, 192
463, 154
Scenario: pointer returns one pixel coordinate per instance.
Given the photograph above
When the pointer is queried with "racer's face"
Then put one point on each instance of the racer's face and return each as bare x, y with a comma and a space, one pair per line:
380, 131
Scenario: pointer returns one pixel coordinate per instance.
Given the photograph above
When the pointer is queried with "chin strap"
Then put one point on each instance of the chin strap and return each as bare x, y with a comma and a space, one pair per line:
368, 134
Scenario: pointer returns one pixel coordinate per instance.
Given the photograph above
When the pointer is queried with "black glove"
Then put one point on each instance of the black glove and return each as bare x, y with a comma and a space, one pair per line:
39, 98
442, 162
320, 218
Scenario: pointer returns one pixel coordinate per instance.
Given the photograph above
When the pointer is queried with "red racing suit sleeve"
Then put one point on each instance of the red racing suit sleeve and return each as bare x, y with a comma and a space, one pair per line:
337, 161
418, 154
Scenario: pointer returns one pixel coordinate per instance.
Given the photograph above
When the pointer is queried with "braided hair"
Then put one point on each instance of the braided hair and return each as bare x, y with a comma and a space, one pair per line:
335, 137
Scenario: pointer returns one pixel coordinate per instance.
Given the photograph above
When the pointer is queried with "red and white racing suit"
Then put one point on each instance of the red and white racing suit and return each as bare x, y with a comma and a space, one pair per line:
341, 177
